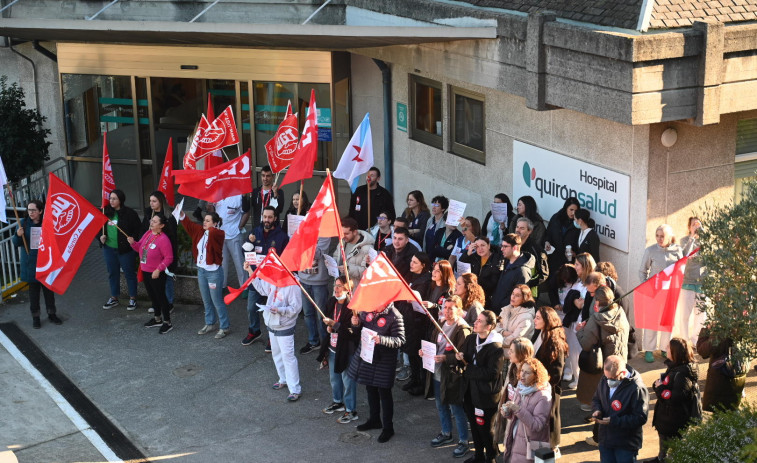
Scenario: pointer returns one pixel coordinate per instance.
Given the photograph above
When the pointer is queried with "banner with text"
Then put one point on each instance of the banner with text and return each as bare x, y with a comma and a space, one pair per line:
551, 178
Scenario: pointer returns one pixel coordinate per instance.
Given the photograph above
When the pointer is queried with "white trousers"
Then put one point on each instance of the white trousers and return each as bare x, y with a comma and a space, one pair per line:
654, 340
282, 348
574, 349
689, 319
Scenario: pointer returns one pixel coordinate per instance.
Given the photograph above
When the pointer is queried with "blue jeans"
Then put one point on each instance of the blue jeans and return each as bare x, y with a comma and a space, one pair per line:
316, 328
612, 455
445, 417
253, 297
115, 262
213, 297
343, 388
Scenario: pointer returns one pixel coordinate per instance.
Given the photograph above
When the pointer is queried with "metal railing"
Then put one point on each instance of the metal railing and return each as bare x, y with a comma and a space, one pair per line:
10, 259
35, 186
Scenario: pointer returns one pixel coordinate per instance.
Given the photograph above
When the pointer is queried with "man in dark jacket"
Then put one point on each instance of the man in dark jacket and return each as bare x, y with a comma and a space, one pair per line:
517, 270
381, 201
265, 236
524, 228
400, 252
620, 407
263, 196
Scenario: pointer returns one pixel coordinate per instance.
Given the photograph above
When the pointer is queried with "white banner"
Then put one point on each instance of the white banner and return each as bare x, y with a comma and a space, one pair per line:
551, 178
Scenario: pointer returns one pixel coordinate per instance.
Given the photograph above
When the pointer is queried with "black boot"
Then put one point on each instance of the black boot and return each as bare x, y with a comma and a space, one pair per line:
54, 319
36, 323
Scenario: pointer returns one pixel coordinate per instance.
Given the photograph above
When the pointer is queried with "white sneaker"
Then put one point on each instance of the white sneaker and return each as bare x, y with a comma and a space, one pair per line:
573, 385
222, 334
151, 310
205, 329
567, 377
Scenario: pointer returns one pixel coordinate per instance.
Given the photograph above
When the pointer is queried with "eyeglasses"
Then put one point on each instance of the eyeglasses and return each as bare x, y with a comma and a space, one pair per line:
435, 204
381, 218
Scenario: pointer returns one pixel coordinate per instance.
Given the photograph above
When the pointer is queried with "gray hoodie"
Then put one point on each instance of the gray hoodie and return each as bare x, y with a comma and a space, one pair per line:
317, 274
656, 258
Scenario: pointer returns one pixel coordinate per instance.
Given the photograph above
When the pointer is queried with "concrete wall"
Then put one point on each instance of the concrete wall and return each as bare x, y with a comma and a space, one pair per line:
20, 70
616, 146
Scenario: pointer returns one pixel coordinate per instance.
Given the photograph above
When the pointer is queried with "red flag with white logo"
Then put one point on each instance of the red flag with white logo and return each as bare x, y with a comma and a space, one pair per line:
109, 183
221, 133
166, 185
381, 285
321, 221
271, 270
69, 225
656, 299
228, 179
304, 158
281, 148
194, 152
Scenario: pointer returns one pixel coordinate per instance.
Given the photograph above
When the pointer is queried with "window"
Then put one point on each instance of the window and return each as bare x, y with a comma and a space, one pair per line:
746, 155
426, 100
467, 122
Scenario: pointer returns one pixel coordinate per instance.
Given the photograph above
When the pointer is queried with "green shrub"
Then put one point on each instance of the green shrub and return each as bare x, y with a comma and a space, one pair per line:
724, 437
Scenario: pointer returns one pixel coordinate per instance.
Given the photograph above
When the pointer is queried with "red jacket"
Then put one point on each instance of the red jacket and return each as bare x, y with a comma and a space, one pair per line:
215, 241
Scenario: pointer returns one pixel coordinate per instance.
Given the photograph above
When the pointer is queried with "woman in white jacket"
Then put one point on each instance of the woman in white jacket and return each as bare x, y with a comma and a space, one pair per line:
280, 316
517, 319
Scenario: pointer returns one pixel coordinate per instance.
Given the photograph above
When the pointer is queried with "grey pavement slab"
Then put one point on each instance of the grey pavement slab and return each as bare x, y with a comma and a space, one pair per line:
190, 398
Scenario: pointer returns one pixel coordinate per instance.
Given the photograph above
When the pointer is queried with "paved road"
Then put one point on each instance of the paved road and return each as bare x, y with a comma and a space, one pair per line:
188, 398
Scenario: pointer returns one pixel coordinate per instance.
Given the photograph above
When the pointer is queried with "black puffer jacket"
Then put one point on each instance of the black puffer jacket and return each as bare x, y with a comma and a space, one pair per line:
345, 343
483, 372
391, 331
488, 274
678, 399
628, 410
128, 221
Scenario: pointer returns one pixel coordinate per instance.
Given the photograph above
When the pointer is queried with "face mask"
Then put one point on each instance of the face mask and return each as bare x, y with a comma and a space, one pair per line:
575, 224
340, 298
613, 383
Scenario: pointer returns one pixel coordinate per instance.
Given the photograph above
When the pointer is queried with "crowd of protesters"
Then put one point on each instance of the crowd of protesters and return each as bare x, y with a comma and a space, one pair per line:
518, 311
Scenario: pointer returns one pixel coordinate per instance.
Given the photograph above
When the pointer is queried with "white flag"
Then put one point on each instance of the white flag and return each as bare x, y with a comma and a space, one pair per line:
3, 182
357, 158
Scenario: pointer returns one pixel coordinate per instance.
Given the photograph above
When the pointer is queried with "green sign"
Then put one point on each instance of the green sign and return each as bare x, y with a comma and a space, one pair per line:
402, 117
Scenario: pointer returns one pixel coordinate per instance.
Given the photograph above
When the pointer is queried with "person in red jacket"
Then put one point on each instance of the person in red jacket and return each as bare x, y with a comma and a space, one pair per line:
207, 251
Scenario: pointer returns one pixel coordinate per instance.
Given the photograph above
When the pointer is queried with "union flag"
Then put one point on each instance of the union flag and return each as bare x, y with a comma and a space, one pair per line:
381, 285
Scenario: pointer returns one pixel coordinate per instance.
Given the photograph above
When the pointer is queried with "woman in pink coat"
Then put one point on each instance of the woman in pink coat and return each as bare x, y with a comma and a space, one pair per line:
528, 413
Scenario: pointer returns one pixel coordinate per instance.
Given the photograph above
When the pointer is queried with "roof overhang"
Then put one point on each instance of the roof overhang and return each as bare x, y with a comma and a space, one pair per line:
298, 36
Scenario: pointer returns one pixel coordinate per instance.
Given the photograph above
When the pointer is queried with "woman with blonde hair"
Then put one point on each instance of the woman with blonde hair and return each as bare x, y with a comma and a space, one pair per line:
517, 318
520, 349
528, 413
656, 258
472, 295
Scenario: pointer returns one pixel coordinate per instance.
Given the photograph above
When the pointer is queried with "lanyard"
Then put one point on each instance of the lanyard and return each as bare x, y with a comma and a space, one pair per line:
381, 239
146, 247
203, 247
337, 311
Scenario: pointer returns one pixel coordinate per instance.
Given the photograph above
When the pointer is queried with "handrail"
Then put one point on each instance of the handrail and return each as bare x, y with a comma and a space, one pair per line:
10, 259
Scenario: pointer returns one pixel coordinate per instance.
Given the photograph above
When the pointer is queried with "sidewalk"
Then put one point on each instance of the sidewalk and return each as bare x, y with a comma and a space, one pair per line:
189, 398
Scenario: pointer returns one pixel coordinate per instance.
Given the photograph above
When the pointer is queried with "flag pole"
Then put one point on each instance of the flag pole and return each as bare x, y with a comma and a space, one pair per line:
299, 284
299, 203
368, 191
341, 247
18, 220
618, 299
421, 304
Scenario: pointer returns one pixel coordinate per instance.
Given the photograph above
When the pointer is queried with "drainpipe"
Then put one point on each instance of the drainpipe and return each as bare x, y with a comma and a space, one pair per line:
34, 72
386, 75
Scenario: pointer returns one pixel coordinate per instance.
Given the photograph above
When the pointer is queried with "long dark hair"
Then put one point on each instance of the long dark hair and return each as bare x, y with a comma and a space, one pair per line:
161, 199
506, 199
585, 215
304, 204
562, 214
553, 336
109, 211
532, 210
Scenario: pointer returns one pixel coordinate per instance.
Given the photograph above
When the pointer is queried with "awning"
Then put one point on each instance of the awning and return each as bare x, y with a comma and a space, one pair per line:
297, 36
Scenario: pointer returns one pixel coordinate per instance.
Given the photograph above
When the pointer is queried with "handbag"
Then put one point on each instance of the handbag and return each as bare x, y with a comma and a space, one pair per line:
591, 360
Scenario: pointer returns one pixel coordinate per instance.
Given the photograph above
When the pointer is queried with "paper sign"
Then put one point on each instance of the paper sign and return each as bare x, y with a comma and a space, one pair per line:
177, 210
331, 266
250, 258
35, 233
463, 267
270, 319
367, 345
429, 351
455, 212
293, 223
499, 212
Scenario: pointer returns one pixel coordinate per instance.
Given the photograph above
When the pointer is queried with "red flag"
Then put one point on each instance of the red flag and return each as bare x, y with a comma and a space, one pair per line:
234, 293
216, 157
221, 133
194, 153
656, 299
228, 179
289, 109
381, 284
321, 221
274, 271
281, 148
211, 114
109, 183
69, 225
304, 158
166, 185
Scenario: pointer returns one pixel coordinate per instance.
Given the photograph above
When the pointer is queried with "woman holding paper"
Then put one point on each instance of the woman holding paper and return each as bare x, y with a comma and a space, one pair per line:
303, 209
496, 230
527, 208
486, 263
31, 228
447, 377
483, 359
207, 250
470, 228
386, 332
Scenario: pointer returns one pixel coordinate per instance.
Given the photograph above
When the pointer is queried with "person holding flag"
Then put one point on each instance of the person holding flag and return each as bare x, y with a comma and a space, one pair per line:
283, 305
207, 250
30, 229
157, 206
122, 222
264, 196
656, 258
381, 200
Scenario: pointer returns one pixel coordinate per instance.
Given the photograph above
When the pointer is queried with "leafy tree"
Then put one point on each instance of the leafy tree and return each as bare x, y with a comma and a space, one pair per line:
23, 145
729, 252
